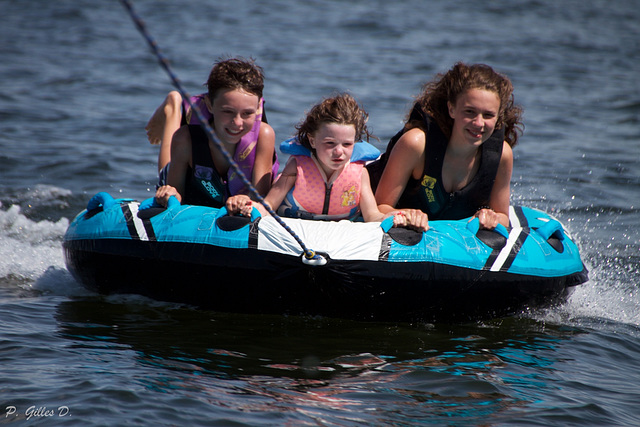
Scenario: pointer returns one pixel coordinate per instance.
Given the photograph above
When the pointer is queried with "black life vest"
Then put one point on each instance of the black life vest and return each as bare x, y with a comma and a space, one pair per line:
428, 193
204, 186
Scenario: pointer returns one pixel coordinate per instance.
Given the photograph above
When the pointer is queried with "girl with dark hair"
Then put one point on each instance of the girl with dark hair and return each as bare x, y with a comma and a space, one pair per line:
453, 158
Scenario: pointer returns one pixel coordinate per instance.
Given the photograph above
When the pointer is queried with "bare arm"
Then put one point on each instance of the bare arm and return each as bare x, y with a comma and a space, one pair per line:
409, 218
241, 204
262, 173
180, 161
406, 160
368, 205
164, 122
282, 186
500, 194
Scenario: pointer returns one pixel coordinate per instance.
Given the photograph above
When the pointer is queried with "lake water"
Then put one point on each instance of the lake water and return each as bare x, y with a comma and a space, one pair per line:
77, 84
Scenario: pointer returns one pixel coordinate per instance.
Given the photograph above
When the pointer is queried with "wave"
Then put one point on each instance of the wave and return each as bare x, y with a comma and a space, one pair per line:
31, 255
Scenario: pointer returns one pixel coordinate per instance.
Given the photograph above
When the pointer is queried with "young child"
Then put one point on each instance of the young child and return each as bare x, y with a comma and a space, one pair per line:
190, 166
327, 179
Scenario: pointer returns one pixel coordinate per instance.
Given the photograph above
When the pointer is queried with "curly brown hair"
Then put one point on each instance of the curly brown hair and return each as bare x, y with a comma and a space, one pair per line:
342, 109
236, 73
449, 86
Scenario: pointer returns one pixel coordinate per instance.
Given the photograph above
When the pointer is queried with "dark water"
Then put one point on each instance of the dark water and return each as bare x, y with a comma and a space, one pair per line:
77, 84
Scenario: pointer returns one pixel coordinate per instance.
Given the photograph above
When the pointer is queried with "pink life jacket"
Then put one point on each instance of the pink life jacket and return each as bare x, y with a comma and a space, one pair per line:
312, 197
245, 154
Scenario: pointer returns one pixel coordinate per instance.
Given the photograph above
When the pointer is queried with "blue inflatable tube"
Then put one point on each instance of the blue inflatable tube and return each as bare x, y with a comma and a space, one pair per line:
204, 257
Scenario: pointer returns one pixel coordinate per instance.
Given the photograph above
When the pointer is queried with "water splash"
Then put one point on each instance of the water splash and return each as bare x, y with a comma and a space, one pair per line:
611, 294
31, 256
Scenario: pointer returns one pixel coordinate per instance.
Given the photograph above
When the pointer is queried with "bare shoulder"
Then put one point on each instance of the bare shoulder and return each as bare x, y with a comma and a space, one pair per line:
181, 144
407, 157
507, 153
505, 168
266, 130
266, 141
182, 136
413, 140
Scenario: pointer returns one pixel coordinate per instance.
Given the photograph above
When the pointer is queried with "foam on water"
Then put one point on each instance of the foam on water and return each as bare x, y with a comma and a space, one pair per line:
31, 254
30, 247
612, 297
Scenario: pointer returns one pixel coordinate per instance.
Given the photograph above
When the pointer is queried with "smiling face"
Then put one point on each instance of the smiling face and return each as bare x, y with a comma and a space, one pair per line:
474, 115
234, 113
333, 144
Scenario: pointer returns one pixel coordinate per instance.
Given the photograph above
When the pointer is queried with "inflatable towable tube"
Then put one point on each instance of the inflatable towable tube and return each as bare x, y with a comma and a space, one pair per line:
204, 257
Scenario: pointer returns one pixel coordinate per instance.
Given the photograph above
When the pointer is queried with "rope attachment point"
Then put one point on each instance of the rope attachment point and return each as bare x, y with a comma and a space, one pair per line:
310, 257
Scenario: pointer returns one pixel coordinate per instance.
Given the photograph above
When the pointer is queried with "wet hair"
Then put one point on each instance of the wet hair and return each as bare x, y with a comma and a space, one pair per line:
341, 109
449, 86
236, 73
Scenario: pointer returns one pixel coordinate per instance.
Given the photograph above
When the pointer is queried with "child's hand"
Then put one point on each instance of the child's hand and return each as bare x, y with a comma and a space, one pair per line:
411, 218
163, 193
239, 205
488, 218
